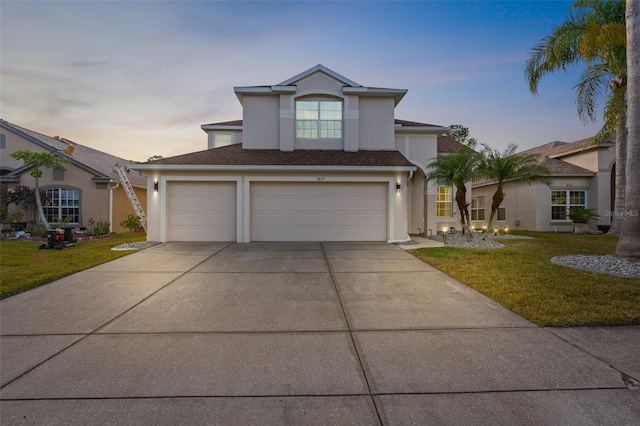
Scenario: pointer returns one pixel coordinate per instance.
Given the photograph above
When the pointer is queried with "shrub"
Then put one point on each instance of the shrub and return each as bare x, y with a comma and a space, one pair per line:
98, 228
37, 229
583, 215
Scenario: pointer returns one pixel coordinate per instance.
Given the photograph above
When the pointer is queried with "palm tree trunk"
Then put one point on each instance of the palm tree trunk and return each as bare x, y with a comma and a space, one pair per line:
498, 197
629, 242
621, 173
461, 200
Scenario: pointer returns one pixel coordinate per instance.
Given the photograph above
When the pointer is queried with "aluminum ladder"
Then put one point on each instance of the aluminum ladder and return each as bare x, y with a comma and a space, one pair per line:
133, 198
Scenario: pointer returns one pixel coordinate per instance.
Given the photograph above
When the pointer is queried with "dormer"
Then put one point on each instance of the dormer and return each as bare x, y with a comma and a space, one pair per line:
318, 109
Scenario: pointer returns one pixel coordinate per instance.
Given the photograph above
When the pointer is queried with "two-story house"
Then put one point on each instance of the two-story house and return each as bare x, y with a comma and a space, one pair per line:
315, 157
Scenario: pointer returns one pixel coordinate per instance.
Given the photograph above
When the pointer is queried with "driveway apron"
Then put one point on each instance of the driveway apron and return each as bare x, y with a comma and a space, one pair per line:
295, 334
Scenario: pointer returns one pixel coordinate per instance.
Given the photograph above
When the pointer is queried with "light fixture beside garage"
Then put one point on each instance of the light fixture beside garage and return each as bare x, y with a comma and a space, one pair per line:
155, 186
397, 187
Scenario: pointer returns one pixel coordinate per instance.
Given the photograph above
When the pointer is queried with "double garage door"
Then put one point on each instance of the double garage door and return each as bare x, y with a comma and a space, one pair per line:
280, 211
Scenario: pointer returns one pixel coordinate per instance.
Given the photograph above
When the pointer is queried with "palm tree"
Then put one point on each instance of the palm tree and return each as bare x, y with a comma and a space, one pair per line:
456, 169
38, 160
507, 167
594, 33
629, 242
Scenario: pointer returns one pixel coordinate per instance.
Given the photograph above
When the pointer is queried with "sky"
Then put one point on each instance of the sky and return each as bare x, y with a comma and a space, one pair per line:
139, 78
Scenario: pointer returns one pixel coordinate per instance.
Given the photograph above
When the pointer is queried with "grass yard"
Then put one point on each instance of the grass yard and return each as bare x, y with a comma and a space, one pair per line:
24, 266
521, 278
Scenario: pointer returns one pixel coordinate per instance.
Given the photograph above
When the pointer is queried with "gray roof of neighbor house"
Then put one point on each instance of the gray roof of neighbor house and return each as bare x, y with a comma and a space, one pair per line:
234, 155
99, 163
551, 154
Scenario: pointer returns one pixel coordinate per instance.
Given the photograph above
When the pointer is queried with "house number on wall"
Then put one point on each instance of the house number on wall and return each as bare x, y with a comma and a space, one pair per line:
320, 178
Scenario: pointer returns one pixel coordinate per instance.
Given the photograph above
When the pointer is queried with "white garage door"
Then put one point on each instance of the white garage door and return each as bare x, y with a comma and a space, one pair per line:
283, 211
202, 211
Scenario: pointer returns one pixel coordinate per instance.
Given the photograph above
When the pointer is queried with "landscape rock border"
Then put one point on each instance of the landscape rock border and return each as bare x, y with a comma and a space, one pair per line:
603, 264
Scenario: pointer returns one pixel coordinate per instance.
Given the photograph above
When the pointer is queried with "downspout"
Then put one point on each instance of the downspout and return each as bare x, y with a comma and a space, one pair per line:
111, 188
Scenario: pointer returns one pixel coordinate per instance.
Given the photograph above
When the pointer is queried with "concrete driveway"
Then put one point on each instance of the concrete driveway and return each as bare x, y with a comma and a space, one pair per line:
296, 334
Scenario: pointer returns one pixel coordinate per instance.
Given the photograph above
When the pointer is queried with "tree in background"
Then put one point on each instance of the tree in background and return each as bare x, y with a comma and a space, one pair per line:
629, 243
593, 34
507, 167
461, 134
37, 161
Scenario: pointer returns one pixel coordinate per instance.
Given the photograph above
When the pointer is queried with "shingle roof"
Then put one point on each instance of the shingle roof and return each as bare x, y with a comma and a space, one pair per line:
448, 144
559, 167
234, 155
558, 149
100, 163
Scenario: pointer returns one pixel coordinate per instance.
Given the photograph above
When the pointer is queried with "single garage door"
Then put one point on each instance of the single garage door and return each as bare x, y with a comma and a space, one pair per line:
292, 211
202, 211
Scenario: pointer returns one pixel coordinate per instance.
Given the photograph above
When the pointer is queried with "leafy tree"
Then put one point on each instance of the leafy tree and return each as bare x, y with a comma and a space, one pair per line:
39, 160
593, 34
22, 196
507, 167
461, 134
456, 169
629, 243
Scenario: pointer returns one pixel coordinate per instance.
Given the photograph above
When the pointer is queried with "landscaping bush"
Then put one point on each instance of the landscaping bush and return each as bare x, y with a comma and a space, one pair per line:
37, 229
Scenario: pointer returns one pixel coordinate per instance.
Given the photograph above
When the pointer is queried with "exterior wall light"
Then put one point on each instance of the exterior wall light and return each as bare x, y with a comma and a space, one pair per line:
397, 186
155, 186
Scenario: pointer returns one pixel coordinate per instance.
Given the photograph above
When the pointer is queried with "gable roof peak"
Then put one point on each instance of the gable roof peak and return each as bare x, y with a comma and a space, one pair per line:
323, 69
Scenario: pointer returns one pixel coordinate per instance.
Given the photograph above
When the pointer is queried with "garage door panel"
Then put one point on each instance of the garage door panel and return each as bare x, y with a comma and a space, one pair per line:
323, 211
202, 211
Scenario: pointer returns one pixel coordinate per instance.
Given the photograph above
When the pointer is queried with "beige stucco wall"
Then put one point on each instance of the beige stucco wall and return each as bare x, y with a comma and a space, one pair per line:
260, 118
376, 124
122, 206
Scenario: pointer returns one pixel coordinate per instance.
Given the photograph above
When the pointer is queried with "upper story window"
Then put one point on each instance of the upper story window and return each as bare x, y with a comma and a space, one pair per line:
223, 139
318, 119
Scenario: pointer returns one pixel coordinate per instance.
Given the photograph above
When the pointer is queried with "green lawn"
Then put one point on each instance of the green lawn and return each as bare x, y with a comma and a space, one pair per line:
24, 266
521, 277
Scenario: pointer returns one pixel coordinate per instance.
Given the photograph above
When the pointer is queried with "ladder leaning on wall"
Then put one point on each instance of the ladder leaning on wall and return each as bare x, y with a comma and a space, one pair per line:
133, 198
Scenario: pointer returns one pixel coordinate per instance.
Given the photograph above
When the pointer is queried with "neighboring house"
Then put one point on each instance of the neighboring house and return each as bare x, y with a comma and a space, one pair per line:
87, 189
583, 175
315, 157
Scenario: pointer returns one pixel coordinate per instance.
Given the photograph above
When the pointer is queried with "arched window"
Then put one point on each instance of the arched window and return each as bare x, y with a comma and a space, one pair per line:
61, 203
318, 119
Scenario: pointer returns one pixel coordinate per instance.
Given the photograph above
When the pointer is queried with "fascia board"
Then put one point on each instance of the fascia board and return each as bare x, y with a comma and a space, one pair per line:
283, 89
214, 127
421, 129
208, 168
397, 94
315, 69
581, 150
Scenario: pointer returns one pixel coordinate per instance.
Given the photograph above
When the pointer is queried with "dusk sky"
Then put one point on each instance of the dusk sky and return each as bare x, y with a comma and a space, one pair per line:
137, 79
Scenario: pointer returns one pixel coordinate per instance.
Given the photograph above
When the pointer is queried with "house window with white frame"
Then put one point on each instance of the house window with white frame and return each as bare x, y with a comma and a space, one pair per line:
62, 203
223, 139
444, 201
477, 208
318, 119
562, 202
501, 214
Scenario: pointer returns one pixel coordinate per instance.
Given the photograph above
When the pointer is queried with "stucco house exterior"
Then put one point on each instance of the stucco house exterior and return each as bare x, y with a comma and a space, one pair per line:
87, 189
314, 157
583, 175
